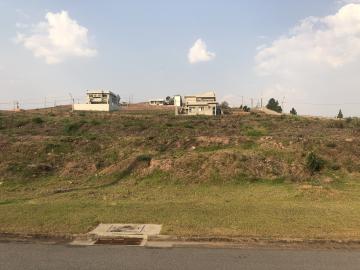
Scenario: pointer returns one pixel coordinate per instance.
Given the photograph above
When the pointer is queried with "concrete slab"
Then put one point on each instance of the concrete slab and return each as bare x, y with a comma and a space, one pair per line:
113, 230
119, 234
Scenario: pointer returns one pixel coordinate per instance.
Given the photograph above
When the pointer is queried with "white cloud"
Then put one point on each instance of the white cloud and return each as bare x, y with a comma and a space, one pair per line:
331, 41
57, 39
199, 53
317, 62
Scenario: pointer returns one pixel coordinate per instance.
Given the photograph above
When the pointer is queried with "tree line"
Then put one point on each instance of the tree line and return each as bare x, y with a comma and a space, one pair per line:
272, 105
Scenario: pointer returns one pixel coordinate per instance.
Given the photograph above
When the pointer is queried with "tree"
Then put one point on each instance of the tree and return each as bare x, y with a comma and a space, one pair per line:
274, 105
169, 100
225, 108
340, 115
224, 105
246, 109
293, 111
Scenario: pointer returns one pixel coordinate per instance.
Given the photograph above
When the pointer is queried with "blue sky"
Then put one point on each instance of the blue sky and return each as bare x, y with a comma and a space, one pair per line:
140, 49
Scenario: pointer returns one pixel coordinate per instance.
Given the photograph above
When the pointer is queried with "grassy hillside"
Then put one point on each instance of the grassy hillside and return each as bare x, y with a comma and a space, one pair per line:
243, 175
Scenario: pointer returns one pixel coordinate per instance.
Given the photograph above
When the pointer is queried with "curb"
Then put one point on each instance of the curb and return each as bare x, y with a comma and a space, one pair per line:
196, 241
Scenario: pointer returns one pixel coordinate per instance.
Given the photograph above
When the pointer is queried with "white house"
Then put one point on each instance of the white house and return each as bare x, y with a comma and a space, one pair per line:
99, 100
201, 104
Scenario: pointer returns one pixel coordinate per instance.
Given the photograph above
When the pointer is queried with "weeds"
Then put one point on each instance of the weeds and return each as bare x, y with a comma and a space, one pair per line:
37, 120
71, 128
314, 163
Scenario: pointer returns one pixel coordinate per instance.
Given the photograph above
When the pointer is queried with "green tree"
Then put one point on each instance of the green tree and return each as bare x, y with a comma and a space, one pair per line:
293, 111
225, 107
340, 115
274, 105
246, 109
169, 100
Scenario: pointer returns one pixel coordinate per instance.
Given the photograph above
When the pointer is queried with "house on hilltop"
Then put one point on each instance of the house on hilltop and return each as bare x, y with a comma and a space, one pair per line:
157, 102
201, 104
99, 100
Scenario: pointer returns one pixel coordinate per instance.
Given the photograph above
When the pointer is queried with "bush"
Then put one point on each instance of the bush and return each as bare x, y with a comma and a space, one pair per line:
340, 115
144, 158
225, 107
72, 128
274, 105
336, 124
293, 111
314, 163
37, 120
245, 108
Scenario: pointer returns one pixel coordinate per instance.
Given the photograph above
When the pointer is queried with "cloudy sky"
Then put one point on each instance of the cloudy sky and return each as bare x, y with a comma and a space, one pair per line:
304, 53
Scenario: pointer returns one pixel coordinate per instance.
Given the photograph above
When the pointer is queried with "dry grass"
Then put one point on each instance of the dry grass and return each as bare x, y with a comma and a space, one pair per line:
233, 175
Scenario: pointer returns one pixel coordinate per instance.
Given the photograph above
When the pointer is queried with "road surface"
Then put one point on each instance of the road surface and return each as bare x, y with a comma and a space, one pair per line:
44, 256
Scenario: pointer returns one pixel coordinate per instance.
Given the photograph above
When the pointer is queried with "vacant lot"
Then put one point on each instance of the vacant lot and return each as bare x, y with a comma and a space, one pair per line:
235, 175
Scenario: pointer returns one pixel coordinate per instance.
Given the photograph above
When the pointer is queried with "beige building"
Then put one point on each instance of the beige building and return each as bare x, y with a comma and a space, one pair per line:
202, 104
99, 100
157, 102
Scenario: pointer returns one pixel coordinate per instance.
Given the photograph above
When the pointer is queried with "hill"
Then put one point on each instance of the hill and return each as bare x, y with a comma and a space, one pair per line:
245, 175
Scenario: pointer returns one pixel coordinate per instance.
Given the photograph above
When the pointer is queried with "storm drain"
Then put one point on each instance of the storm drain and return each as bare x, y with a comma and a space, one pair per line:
119, 234
134, 241
133, 229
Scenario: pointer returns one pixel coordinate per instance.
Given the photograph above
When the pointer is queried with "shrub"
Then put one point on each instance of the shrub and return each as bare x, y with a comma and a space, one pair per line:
245, 108
37, 120
21, 123
293, 111
340, 115
187, 125
274, 105
71, 128
314, 163
255, 133
336, 124
144, 158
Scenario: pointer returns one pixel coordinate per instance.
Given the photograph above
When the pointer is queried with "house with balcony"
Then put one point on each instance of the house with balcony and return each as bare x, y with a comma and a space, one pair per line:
201, 104
99, 100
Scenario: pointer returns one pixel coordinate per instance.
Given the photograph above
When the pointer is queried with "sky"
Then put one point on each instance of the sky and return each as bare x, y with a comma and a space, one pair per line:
304, 53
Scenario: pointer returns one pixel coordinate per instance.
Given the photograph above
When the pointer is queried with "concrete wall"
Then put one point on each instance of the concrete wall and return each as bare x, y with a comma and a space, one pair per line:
207, 110
96, 107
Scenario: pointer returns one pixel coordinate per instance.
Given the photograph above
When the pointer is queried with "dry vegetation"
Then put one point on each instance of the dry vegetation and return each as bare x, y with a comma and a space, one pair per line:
248, 175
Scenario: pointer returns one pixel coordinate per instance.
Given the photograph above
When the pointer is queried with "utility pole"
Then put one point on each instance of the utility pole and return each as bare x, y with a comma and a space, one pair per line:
16, 106
72, 102
282, 103
261, 102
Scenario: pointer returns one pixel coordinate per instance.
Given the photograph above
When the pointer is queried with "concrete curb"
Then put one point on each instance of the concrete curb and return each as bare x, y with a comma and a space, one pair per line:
181, 241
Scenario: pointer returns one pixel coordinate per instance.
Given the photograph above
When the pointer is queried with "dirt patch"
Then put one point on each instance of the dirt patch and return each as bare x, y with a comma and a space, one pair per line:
74, 168
213, 139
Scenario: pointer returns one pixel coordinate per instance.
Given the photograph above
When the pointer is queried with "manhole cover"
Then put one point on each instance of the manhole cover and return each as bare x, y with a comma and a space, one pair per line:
120, 241
137, 229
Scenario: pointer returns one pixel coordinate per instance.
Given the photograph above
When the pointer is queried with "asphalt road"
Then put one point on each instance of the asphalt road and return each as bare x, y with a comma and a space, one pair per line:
42, 256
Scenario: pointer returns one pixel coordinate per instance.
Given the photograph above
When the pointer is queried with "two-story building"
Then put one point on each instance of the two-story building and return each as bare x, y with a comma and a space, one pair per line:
99, 100
202, 104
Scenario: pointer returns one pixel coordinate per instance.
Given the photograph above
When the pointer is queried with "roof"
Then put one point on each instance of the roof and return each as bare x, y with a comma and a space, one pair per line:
201, 103
210, 94
100, 92
158, 99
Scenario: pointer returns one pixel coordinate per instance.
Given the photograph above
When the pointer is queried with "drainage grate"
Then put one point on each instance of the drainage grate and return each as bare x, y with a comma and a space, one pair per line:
125, 241
126, 228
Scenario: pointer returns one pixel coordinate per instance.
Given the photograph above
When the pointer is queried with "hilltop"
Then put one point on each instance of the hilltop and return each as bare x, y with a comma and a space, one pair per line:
249, 174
